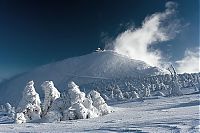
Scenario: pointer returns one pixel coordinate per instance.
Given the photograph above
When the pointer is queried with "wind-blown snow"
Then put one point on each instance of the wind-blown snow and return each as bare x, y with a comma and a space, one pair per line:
190, 63
137, 43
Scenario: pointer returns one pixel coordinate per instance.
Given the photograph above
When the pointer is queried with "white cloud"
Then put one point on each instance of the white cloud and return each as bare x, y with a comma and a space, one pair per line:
190, 62
136, 43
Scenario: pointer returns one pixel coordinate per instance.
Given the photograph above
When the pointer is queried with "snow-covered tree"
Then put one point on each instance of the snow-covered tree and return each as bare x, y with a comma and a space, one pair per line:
146, 91
69, 114
73, 104
80, 107
20, 118
196, 89
99, 103
105, 97
175, 89
81, 112
75, 94
29, 104
111, 89
51, 94
163, 86
118, 93
153, 86
174, 84
134, 94
52, 116
52, 104
159, 93
127, 95
10, 110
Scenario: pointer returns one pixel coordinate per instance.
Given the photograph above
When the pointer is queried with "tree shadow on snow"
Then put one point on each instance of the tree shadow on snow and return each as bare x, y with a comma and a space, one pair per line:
188, 104
117, 129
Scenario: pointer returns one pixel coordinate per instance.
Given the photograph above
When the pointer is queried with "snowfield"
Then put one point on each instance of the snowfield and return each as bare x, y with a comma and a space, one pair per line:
152, 114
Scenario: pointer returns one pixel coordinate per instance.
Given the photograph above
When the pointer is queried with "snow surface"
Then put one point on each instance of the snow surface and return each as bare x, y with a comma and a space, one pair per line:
153, 114
84, 69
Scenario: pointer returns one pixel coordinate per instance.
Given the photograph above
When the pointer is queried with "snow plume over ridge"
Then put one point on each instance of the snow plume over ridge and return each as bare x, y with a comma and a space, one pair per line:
190, 63
137, 43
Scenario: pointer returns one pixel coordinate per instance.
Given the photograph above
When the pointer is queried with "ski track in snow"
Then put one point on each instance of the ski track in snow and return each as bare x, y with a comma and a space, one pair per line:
154, 115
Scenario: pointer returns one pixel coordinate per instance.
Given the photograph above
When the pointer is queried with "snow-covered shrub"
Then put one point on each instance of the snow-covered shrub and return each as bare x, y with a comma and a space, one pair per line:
29, 104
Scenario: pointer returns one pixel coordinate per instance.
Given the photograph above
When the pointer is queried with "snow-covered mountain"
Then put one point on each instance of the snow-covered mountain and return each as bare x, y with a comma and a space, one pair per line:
84, 69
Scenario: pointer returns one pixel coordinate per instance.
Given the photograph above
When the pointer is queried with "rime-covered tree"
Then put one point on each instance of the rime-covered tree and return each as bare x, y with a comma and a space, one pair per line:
51, 94
174, 84
99, 103
10, 110
134, 94
50, 112
126, 95
73, 104
79, 106
20, 118
29, 104
118, 93
147, 92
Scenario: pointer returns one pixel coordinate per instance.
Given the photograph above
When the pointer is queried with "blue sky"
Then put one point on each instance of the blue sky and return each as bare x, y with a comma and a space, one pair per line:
36, 32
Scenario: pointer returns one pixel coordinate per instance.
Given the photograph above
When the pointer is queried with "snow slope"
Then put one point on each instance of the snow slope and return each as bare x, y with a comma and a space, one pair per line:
154, 115
84, 69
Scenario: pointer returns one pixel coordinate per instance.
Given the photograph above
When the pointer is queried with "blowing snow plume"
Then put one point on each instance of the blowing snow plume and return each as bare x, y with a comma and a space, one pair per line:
190, 63
137, 43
